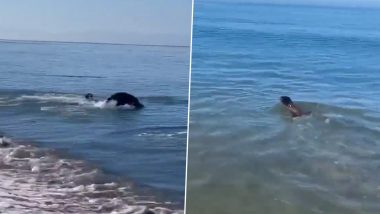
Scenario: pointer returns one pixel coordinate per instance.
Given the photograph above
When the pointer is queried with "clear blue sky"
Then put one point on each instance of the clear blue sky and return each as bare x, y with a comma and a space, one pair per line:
165, 22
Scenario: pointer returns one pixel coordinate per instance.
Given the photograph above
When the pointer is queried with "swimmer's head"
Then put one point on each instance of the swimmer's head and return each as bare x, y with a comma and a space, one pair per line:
89, 96
286, 100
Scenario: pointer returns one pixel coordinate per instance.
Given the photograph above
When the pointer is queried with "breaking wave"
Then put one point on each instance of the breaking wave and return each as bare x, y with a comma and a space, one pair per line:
36, 180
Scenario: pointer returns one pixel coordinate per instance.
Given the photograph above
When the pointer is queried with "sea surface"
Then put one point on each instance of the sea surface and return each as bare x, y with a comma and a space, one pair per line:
246, 154
60, 139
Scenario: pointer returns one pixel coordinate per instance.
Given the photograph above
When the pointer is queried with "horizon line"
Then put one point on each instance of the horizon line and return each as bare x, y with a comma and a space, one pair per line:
82, 42
302, 5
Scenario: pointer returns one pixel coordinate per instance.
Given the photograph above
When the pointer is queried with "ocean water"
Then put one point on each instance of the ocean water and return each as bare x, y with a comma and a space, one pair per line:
246, 154
63, 141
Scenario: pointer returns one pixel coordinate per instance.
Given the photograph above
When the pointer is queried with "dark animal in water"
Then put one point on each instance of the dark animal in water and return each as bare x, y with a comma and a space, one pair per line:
123, 98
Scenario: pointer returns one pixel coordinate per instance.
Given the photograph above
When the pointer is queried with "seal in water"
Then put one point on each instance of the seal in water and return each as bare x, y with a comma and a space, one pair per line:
293, 109
123, 98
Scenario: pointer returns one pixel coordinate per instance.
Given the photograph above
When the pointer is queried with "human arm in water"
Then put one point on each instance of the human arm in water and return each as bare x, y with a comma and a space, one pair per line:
292, 108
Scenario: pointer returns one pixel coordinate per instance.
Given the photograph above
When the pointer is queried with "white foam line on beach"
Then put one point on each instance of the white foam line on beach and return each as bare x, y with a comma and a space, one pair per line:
35, 181
54, 98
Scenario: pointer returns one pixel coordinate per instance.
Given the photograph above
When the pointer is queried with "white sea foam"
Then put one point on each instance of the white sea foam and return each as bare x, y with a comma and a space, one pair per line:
107, 105
52, 97
4, 101
182, 132
48, 108
37, 181
67, 99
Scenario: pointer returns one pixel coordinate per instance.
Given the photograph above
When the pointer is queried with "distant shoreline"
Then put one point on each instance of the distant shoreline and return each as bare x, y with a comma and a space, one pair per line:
93, 43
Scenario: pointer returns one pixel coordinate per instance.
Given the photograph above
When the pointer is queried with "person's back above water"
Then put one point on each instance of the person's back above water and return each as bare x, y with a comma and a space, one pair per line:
121, 98
293, 109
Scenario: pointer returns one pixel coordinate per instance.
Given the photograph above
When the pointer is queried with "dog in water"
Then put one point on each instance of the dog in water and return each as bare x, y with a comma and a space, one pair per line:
121, 98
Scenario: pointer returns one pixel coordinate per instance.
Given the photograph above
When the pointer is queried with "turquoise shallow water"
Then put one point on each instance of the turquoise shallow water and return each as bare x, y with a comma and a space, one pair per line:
246, 155
41, 101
